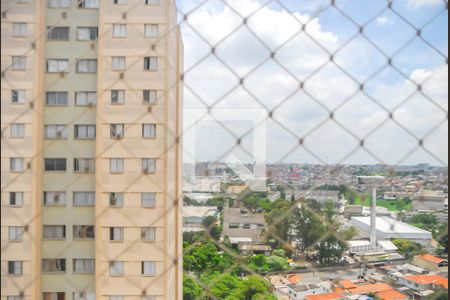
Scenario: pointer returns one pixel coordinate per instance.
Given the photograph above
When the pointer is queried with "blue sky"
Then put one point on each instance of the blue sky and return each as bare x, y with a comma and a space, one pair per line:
213, 80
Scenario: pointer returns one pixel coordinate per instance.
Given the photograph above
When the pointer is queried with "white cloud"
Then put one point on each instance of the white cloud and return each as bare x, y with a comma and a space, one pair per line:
302, 111
384, 20
421, 3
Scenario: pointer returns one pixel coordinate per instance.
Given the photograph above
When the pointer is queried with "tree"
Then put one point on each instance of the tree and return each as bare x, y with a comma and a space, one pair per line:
276, 263
279, 221
349, 233
191, 290
407, 248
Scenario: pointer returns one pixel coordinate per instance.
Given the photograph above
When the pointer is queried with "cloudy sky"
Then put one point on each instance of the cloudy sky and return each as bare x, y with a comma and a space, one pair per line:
298, 90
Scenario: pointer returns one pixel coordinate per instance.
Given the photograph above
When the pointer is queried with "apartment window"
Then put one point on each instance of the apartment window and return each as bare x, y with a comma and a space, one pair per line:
151, 30
16, 199
55, 131
14, 298
84, 165
151, 63
117, 131
19, 63
148, 200
83, 296
118, 63
55, 164
150, 96
58, 33
120, 1
17, 131
55, 198
57, 98
16, 164
116, 233
83, 265
116, 199
58, 3
148, 234
23, 1
87, 66
54, 265
116, 268
15, 233
119, 30
84, 131
83, 231
148, 268
116, 165
149, 131
148, 165
57, 65
87, 33
148, 297
19, 29
85, 98
54, 232
18, 96
15, 267
117, 96
152, 2
116, 298
83, 198
54, 296
88, 4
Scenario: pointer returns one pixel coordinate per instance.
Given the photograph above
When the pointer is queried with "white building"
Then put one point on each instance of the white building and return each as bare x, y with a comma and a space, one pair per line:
388, 228
430, 201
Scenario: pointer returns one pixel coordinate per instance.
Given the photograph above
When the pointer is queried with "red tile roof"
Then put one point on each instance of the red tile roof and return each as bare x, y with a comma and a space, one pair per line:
431, 258
392, 295
330, 296
371, 288
347, 284
294, 278
427, 279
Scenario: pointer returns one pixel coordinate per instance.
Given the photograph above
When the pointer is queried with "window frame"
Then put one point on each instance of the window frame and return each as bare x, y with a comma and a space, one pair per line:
119, 30
87, 201
12, 266
88, 130
13, 161
152, 130
59, 199
10, 198
89, 63
90, 98
119, 95
150, 97
56, 160
82, 4
150, 32
58, 262
17, 131
59, 2
50, 31
116, 234
83, 232
114, 133
152, 199
120, 268
21, 33
147, 166
59, 95
18, 96
16, 233
58, 62
19, 63
148, 234
60, 130
116, 200
148, 63
116, 165
64, 233
90, 30
86, 262
147, 264
88, 163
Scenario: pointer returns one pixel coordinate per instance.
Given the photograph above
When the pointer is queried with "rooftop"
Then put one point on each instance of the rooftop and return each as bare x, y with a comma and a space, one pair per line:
431, 258
371, 288
392, 295
429, 279
390, 225
199, 211
329, 296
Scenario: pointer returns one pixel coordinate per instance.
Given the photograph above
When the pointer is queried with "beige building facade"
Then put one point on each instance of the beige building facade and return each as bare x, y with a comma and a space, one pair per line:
91, 157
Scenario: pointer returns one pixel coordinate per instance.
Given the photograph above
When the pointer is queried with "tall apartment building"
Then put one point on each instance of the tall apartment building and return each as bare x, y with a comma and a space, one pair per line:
91, 160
